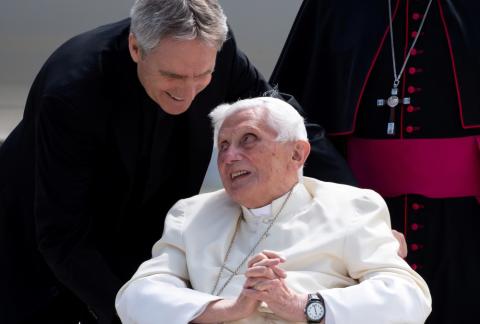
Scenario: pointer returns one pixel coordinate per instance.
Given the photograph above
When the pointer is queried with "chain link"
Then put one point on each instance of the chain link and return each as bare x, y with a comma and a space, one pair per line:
396, 77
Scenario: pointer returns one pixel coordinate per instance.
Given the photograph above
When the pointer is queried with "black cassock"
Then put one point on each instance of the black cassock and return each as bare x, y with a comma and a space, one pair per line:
337, 62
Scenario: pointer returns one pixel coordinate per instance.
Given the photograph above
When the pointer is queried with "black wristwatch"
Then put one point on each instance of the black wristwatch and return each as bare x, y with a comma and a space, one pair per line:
315, 309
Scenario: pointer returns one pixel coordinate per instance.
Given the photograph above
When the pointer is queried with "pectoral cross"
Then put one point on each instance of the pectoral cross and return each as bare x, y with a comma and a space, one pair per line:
392, 102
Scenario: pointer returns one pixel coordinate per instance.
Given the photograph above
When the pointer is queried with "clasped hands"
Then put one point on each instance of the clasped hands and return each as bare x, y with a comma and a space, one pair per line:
266, 283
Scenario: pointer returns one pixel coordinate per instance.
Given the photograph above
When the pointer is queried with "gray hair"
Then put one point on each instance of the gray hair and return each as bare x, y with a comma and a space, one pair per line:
280, 115
153, 20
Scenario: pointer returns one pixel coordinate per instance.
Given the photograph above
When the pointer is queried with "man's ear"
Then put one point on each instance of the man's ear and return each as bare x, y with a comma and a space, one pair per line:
134, 49
301, 152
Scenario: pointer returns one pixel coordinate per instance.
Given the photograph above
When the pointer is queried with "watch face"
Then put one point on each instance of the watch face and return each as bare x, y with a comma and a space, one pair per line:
315, 311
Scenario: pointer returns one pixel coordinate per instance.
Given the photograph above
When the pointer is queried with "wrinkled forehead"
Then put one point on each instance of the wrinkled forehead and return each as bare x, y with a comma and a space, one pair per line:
252, 118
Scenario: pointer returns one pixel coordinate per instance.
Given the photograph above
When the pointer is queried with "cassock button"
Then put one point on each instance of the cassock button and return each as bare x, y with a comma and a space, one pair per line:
414, 247
415, 227
412, 70
411, 89
414, 34
416, 16
409, 129
414, 52
414, 266
416, 206
410, 108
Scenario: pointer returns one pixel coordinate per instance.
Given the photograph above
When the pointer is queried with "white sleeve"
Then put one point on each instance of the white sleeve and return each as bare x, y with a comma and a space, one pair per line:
389, 290
158, 292
157, 299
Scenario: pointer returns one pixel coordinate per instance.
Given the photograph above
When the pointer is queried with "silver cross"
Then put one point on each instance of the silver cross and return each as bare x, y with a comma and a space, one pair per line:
393, 100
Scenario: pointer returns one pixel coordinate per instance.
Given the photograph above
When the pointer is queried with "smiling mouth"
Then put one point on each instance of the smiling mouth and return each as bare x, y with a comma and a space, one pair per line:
237, 174
173, 97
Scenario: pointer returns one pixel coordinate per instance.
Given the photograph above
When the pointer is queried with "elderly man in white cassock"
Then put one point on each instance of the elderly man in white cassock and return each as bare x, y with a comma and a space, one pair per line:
274, 246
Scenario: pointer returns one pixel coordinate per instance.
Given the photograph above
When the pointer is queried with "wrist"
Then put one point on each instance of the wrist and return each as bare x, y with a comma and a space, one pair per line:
237, 308
222, 310
295, 310
302, 300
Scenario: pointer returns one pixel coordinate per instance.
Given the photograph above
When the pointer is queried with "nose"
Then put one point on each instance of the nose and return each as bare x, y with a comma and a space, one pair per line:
230, 155
191, 88
186, 90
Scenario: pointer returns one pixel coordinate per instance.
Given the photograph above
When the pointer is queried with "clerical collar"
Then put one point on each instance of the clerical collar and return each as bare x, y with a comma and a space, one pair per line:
262, 211
265, 213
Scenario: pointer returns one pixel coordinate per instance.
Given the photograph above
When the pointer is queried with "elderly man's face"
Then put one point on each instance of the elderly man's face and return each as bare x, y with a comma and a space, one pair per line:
254, 168
175, 71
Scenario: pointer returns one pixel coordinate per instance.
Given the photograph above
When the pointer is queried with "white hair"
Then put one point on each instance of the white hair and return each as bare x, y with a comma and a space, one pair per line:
280, 116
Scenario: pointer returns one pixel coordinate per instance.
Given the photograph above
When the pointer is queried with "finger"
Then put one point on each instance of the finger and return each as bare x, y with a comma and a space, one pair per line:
403, 249
271, 287
266, 254
279, 272
256, 258
256, 284
273, 269
262, 285
256, 272
254, 294
273, 264
272, 255
267, 263
251, 282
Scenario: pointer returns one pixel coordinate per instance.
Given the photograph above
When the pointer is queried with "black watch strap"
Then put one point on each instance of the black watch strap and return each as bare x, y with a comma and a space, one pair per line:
320, 297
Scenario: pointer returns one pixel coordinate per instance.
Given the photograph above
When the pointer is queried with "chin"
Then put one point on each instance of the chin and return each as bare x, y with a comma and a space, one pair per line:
242, 198
173, 110
235, 195
170, 107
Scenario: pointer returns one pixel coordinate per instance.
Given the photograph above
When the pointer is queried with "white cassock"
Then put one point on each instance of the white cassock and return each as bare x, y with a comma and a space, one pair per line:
336, 240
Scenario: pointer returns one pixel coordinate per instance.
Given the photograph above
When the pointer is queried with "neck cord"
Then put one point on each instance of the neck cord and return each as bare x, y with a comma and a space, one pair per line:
249, 254
392, 45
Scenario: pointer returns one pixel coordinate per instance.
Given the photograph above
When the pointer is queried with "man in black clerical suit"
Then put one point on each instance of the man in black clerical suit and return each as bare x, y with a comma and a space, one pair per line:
420, 150
115, 131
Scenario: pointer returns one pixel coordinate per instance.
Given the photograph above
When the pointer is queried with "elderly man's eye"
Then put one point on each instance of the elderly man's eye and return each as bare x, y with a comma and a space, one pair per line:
223, 146
249, 138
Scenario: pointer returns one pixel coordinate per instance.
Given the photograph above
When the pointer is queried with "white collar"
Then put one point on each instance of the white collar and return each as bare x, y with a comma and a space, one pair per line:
300, 200
262, 211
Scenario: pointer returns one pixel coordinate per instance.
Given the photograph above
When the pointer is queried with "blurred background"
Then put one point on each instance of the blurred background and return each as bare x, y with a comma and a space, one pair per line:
31, 29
